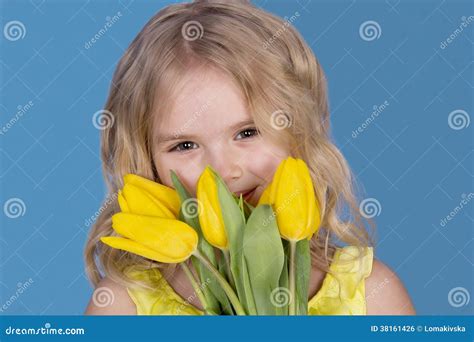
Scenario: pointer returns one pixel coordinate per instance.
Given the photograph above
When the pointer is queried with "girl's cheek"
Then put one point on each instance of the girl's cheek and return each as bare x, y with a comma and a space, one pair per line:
164, 164
186, 174
265, 162
189, 181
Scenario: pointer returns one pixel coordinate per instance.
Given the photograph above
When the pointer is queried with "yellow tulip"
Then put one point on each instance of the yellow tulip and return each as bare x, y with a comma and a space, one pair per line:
133, 199
149, 228
293, 199
292, 196
161, 239
145, 197
210, 217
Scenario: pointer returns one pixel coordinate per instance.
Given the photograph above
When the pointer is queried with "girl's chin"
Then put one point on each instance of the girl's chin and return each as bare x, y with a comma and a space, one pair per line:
254, 199
252, 203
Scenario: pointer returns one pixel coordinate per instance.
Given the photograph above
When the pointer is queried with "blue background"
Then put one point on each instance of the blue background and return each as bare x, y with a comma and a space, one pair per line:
409, 158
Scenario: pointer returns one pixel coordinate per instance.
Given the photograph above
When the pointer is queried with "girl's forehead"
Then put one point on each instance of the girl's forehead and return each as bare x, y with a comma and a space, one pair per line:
206, 85
205, 98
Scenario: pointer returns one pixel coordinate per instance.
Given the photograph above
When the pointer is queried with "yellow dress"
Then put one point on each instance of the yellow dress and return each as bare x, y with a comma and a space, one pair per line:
342, 291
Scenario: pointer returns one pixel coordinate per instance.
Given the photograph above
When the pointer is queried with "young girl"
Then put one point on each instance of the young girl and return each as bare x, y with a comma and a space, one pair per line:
225, 84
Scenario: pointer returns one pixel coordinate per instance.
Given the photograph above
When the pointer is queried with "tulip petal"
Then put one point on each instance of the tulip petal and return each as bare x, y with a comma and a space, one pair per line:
141, 202
288, 198
314, 211
293, 198
136, 248
310, 199
122, 202
162, 193
210, 217
172, 238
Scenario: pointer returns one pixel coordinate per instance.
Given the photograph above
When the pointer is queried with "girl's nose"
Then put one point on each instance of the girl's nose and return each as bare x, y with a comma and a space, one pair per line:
227, 165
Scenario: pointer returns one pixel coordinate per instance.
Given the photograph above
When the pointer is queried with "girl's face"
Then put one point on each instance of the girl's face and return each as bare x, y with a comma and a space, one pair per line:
209, 124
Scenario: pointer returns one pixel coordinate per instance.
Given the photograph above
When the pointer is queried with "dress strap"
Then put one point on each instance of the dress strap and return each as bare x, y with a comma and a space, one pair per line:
162, 300
343, 288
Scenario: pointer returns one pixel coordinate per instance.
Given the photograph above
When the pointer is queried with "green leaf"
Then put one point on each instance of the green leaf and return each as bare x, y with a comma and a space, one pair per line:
264, 255
247, 209
226, 307
241, 203
250, 301
303, 270
284, 274
234, 225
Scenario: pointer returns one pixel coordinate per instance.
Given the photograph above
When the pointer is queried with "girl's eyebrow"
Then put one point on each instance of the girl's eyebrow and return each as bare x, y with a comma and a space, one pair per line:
177, 136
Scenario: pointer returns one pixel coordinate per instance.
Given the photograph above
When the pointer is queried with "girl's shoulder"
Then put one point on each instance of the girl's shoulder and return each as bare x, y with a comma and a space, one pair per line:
359, 284
110, 298
385, 292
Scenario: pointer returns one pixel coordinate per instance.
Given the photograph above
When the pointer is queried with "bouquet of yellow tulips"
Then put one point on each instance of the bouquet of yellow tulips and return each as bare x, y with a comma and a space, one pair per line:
262, 265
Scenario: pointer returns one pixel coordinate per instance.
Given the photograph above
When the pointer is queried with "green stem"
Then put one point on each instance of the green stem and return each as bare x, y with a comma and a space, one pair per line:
225, 285
227, 266
292, 276
196, 286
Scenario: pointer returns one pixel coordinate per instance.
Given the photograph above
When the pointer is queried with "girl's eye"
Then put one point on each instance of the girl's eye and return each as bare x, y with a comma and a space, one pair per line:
188, 145
183, 147
249, 132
